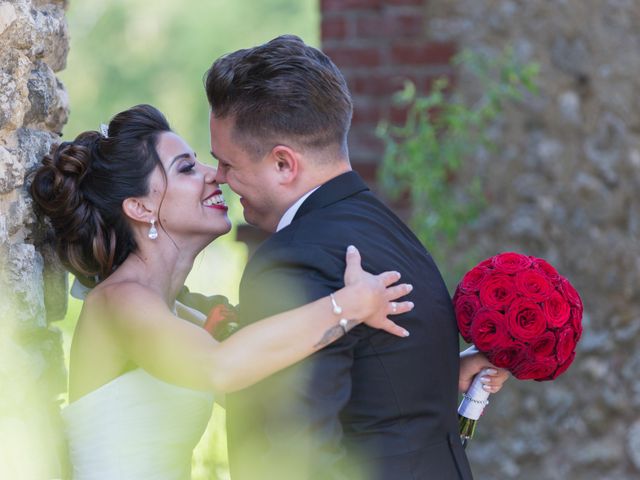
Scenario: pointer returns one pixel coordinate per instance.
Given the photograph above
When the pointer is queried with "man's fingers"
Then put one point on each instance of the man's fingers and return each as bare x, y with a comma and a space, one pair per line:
394, 329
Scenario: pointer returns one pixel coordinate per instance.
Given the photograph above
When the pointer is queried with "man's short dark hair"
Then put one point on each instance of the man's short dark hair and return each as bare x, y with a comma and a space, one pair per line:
281, 90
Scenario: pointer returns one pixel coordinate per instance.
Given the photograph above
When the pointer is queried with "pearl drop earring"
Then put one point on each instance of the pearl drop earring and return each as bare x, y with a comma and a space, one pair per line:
153, 232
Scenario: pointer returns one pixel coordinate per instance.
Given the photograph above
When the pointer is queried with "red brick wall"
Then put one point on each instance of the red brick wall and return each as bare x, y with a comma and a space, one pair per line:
377, 45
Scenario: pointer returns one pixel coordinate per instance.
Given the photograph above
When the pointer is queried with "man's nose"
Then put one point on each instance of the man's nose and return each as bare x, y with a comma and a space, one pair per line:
219, 176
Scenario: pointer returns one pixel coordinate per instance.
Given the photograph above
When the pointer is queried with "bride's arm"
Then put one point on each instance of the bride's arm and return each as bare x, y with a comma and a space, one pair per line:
185, 354
196, 317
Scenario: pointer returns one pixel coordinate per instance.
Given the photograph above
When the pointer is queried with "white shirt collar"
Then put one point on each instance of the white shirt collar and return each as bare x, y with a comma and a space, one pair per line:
287, 218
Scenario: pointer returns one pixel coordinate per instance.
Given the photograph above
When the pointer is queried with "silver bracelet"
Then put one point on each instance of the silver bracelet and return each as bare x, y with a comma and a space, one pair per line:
343, 324
337, 310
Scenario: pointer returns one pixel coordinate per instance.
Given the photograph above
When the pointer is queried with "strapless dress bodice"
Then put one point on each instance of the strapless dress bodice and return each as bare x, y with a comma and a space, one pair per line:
135, 427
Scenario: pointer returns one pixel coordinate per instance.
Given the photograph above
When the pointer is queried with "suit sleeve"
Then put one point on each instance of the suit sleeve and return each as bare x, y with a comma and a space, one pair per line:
305, 401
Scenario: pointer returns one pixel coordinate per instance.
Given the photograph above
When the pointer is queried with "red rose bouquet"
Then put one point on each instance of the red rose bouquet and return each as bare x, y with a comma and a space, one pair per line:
523, 315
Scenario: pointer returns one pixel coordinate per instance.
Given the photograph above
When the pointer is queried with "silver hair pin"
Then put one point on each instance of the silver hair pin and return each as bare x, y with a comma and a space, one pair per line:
104, 130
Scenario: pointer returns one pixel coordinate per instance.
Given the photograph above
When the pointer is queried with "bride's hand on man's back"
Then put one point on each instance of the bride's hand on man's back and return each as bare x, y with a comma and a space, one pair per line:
377, 294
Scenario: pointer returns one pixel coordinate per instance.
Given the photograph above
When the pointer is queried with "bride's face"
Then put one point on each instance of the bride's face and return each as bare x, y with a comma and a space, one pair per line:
190, 203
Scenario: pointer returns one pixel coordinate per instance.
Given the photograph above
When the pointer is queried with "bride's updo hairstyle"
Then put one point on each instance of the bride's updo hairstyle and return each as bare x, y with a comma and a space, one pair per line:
82, 184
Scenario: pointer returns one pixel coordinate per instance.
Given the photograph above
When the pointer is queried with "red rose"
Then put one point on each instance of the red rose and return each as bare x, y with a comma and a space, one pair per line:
487, 263
511, 262
562, 368
543, 346
497, 291
507, 357
470, 283
557, 310
566, 344
546, 268
535, 369
570, 293
526, 320
533, 285
576, 321
488, 330
465, 307
577, 307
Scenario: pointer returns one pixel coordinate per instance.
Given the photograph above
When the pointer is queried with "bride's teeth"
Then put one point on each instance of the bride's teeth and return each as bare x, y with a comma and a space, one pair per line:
214, 200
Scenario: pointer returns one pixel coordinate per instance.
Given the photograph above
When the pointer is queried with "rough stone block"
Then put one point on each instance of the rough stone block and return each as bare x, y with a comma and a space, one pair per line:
25, 287
56, 285
52, 44
7, 16
14, 68
33, 145
7, 161
33, 44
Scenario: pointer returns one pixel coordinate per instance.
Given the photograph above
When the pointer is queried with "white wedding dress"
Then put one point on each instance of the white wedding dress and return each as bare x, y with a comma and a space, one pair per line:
136, 427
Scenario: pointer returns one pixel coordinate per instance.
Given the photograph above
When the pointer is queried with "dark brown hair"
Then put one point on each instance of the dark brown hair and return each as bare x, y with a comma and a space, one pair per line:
81, 185
282, 90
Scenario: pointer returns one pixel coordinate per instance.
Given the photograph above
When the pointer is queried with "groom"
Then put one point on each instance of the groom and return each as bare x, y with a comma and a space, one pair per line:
371, 405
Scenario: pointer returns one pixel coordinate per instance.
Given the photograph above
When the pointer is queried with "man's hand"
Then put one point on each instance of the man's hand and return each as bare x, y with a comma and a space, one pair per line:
473, 362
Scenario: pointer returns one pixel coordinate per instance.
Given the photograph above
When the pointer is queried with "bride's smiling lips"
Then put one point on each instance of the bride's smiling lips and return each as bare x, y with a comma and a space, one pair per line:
215, 200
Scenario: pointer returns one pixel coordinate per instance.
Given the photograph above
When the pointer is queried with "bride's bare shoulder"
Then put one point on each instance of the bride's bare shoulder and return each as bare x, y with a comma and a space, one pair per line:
123, 297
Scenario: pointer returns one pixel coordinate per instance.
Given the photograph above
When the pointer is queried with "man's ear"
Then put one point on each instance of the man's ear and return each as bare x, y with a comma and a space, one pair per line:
135, 209
286, 162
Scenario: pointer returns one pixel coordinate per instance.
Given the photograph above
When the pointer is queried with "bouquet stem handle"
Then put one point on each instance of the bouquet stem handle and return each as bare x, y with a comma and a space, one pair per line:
471, 407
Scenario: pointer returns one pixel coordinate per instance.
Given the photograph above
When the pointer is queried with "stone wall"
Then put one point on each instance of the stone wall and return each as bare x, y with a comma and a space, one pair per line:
33, 109
563, 184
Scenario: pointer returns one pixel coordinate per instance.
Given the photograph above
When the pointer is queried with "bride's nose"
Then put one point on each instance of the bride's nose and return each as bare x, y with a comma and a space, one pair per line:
210, 174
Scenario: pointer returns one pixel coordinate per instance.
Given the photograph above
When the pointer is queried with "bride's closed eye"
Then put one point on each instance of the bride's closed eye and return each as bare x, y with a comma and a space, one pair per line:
187, 167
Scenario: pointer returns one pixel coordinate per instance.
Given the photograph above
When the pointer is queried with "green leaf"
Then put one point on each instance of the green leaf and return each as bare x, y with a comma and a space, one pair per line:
425, 156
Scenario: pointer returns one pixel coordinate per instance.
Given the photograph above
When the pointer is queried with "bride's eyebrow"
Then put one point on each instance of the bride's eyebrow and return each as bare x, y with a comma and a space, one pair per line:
178, 157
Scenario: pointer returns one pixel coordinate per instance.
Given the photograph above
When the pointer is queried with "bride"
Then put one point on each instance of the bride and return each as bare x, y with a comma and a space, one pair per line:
131, 210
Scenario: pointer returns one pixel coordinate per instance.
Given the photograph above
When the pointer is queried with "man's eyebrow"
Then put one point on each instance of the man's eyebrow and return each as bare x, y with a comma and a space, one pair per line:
216, 157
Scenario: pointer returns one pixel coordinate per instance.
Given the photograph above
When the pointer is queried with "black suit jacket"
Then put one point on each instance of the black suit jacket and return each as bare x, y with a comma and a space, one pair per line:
371, 405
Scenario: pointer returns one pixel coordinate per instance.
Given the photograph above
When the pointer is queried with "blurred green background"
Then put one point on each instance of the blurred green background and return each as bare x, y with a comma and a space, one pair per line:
126, 52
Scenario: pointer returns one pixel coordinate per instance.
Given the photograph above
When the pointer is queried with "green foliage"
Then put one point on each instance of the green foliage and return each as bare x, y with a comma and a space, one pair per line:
125, 52
424, 157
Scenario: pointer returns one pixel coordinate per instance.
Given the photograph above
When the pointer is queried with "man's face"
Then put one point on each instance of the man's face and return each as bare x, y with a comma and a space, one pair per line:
255, 180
